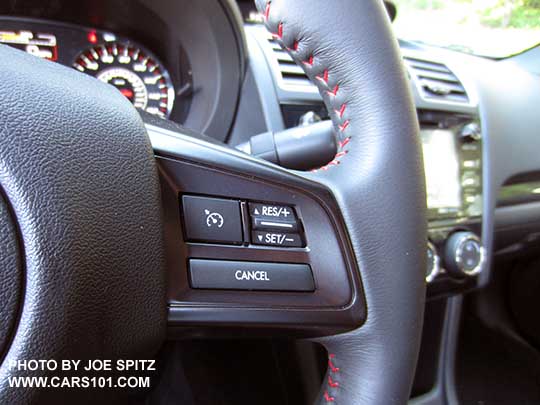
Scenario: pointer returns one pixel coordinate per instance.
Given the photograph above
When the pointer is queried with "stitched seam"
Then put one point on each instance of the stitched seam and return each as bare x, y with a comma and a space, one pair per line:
330, 92
333, 371
331, 382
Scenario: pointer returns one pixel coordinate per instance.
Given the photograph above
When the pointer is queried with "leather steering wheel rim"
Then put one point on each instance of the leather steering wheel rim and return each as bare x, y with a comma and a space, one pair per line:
348, 50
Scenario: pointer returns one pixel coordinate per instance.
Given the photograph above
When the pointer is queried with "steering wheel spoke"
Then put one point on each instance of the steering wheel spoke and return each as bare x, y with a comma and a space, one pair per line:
251, 244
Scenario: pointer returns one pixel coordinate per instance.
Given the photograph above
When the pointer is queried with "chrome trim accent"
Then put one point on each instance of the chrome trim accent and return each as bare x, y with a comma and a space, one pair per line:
436, 263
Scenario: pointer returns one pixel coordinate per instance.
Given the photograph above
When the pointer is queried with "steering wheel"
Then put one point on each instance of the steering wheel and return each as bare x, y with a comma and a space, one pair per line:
93, 250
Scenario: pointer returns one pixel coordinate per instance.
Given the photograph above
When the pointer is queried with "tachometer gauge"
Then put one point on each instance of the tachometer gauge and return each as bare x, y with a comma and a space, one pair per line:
134, 71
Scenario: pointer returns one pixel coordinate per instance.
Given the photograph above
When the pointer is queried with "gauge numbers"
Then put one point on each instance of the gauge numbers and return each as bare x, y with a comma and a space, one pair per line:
134, 71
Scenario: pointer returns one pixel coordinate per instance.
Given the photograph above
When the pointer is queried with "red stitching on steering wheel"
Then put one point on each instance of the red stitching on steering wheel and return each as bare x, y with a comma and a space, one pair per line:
331, 93
332, 369
328, 398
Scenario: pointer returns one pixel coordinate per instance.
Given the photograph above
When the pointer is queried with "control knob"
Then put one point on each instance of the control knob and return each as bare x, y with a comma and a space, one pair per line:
464, 254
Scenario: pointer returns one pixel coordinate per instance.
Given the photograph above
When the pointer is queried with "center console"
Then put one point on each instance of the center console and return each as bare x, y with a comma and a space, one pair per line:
452, 146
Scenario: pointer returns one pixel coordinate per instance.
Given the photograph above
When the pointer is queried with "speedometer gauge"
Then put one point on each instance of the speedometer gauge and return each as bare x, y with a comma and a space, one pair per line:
134, 71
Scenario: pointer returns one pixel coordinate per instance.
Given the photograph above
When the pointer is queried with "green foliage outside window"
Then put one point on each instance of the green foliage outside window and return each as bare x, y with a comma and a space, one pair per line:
495, 28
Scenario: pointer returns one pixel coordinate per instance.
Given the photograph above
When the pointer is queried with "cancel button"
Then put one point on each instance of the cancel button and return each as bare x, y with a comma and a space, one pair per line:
229, 275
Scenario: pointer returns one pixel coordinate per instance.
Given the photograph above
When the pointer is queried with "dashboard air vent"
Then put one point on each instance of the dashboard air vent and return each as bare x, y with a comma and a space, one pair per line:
291, 73
436, 81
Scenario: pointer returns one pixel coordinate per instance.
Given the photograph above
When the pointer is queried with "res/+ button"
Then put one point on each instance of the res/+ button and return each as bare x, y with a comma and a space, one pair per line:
278, 218
280, 212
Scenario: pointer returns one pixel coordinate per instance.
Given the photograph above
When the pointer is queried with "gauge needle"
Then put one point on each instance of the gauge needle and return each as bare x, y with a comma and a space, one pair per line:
126, 92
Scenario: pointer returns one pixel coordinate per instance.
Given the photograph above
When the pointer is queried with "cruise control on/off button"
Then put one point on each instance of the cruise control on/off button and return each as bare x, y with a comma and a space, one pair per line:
212, 220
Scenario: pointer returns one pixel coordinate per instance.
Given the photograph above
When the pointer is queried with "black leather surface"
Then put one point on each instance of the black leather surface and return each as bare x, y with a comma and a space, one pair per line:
11, 276
77, 168
347, 48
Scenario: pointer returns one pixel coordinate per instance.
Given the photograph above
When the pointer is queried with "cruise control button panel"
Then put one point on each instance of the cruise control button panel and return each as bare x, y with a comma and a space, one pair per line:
212, 220
237, 275
241, 222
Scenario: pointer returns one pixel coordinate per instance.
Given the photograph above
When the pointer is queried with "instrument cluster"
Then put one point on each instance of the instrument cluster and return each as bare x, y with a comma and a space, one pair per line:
119, 61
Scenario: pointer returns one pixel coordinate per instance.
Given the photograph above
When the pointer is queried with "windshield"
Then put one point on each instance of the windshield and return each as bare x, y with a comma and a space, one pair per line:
494, 28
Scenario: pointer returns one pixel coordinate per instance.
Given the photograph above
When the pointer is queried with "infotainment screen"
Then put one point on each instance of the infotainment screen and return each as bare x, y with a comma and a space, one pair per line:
441, 161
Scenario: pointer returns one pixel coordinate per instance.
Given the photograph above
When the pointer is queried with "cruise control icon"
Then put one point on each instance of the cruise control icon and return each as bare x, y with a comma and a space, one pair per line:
214, 219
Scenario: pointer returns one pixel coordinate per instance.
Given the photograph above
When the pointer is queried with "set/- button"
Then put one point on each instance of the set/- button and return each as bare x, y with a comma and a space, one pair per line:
276, 239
